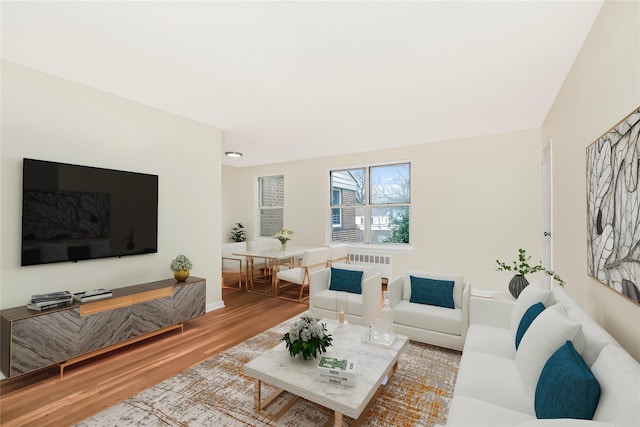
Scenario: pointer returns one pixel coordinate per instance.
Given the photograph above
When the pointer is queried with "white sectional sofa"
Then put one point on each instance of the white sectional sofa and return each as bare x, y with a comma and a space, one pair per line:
498, 385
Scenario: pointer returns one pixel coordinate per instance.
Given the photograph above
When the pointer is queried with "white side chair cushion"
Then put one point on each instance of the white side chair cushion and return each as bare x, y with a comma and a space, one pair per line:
619, 375
528, 297
550, 331
458, 284
428, 317
331, 300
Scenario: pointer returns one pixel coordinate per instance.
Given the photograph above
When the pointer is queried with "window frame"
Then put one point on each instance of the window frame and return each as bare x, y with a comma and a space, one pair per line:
260, 207
367, 206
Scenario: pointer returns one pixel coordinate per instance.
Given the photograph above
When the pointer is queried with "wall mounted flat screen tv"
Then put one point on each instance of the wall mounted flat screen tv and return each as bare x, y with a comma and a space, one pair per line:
73, 212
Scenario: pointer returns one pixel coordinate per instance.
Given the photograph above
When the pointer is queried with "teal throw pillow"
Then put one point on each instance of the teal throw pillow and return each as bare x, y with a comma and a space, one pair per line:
432, 292
566, 388
346, 280
527, 318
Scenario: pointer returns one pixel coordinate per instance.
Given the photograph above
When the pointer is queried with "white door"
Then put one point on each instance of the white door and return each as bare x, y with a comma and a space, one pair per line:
547, 194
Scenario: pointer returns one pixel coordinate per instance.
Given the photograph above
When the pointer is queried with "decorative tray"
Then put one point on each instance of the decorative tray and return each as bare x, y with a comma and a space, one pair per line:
369, 339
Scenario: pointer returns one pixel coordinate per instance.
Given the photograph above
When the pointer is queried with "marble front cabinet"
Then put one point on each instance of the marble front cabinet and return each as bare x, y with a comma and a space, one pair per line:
31, 340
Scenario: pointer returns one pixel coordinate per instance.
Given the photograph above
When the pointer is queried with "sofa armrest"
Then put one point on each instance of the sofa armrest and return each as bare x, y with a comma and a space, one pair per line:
396, 291
318, 282
371, 298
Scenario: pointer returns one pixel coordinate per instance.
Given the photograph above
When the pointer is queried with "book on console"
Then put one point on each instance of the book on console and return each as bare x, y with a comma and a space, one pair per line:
52, 296
48, 306
53, 301
92, 295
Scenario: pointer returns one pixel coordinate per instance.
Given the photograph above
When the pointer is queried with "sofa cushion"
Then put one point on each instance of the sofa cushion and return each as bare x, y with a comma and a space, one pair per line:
551, 329
331, 300
490, 340
566, 387
527, 318
493, 379
346, 280
618, 374
428, 317
466, 411
529, 296
432, 292
458, 284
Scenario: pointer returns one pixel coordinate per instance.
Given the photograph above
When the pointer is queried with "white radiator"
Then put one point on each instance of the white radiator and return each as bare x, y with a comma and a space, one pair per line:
381, 262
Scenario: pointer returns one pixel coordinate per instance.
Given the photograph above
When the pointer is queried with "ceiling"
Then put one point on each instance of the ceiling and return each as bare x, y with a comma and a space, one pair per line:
294, 80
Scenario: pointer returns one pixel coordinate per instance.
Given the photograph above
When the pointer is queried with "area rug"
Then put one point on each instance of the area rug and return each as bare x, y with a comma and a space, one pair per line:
217, 393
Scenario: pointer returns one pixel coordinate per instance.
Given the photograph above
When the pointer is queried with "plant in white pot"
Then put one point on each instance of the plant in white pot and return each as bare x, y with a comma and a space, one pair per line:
521, 268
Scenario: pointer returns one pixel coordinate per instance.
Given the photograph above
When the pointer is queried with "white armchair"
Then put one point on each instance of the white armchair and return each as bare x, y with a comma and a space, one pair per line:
425, 322
359, 308
312, 260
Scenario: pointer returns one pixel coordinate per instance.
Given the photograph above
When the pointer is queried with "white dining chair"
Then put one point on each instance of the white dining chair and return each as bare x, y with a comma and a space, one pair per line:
312, 260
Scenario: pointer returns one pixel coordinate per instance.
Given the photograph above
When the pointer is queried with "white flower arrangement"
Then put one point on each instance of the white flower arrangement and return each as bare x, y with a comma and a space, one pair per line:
308, 337
283, 235
181, 262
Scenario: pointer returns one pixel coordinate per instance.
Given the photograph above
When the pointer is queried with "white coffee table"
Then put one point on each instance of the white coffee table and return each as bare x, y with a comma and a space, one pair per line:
298, 376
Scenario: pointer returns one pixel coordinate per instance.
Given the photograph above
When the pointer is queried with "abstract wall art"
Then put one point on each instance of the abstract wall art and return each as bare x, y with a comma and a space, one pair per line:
613, 207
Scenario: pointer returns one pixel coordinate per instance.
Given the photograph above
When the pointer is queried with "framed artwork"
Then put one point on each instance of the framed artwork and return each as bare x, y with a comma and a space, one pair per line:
613, 208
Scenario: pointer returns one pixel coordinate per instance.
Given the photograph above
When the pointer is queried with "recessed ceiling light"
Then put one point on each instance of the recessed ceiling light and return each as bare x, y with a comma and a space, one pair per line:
234, 154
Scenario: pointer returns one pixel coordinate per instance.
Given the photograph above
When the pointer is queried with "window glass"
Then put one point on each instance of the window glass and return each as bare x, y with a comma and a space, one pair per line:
271, 204
385, 218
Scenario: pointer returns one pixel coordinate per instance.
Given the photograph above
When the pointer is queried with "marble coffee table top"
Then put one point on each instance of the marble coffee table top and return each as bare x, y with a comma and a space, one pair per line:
298, 376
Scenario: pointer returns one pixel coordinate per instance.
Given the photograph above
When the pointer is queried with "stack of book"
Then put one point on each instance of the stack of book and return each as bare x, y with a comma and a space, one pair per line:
51, 300
93, 295
337, 371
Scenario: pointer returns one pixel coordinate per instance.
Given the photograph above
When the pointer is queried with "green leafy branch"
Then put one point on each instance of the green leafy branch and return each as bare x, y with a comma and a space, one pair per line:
523, 266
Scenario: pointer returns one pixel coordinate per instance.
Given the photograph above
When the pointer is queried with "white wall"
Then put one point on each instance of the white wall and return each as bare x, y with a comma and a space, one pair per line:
602, 88
48, 118
473, 200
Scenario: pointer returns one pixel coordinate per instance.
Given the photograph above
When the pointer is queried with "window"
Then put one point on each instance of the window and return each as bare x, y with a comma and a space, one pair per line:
271, 204
371, 204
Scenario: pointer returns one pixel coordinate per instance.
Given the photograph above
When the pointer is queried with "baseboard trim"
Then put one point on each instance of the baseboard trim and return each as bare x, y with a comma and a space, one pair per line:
215, 306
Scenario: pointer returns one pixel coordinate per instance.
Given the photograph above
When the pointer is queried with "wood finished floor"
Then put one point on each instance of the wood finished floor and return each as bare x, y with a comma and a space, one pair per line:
43, 399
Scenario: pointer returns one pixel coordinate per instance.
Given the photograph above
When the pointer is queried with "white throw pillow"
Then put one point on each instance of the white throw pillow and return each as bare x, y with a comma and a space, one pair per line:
548, 332
530, 295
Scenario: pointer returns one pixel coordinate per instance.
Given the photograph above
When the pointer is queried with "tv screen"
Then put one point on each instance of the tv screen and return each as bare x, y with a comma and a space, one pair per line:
72, 212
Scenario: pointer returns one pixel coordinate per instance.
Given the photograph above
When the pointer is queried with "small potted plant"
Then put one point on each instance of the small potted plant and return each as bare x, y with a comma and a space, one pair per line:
238, 233
521, 267
283, 236
307, 338
181, 266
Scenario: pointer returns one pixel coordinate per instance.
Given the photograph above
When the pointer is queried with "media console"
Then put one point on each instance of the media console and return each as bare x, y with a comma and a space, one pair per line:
31, 340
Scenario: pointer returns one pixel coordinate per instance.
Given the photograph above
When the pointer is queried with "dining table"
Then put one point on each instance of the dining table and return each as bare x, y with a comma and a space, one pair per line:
273, 259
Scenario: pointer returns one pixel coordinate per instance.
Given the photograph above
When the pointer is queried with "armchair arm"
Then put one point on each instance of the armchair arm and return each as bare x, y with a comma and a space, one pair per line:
396, 291
318, 281
371, 298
